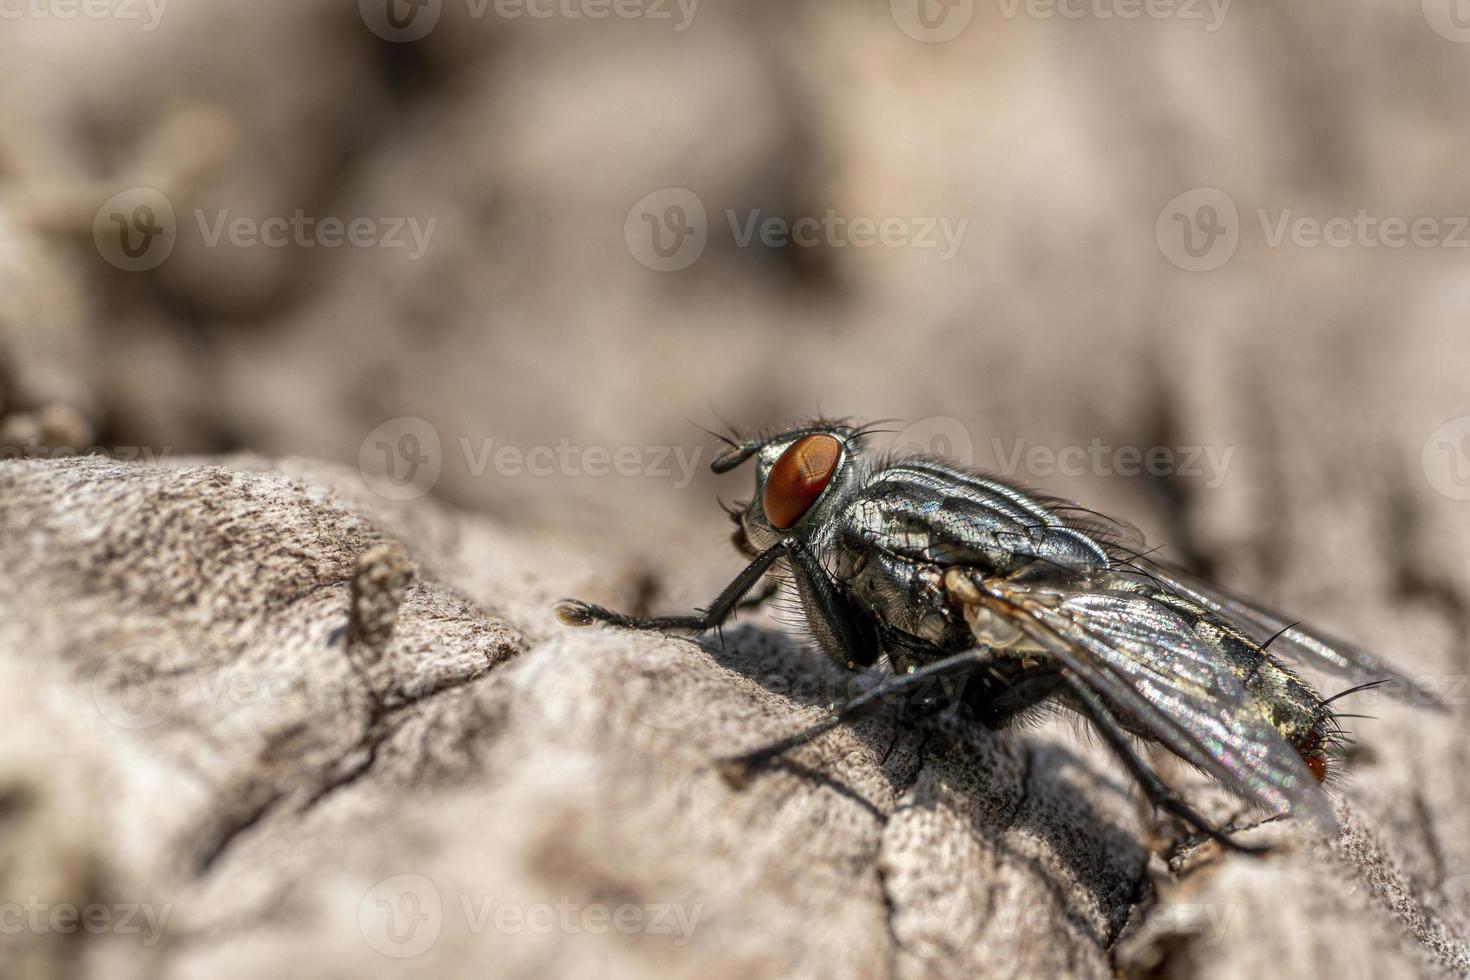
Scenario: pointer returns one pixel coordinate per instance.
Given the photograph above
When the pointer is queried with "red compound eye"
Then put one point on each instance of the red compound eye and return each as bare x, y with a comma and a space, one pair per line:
799, 477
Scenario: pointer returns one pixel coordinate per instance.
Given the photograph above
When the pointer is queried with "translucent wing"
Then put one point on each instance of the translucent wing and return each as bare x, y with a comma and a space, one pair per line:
1146, 662
1287, 637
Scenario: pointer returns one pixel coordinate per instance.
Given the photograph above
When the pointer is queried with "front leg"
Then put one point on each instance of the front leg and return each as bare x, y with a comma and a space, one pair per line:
845, 631
575, 612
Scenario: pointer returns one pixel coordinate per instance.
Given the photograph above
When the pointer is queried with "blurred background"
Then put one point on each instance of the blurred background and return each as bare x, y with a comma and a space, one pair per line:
276, 225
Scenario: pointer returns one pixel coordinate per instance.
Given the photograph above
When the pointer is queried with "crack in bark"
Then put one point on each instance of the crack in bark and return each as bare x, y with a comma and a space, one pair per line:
1431, 838
233, 830
378, 729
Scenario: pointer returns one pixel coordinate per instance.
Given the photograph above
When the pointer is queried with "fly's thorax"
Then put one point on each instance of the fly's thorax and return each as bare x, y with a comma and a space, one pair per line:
927, 510
907, 598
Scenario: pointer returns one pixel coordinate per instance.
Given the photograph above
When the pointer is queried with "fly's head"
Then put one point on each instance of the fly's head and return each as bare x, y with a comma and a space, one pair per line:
801, 477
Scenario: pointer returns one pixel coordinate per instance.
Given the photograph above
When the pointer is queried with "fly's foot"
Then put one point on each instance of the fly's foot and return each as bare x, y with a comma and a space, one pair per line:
575, 612
1224, 836
740, 770
736, 771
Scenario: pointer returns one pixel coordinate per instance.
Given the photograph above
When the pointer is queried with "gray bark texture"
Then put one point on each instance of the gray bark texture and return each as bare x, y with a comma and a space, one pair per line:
257, 704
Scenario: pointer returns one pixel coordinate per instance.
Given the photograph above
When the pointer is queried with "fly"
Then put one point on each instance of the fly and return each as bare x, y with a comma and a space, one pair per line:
926, 572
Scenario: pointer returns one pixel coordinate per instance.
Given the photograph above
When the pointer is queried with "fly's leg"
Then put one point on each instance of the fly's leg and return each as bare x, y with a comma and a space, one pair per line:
845, 632
1159, 793
766, 594
574, 612
737, 768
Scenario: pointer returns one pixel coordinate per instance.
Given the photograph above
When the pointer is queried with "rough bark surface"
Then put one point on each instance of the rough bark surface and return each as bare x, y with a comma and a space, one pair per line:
248, 698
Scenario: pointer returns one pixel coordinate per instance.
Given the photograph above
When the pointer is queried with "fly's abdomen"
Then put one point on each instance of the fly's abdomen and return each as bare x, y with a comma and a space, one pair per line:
1277, 694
